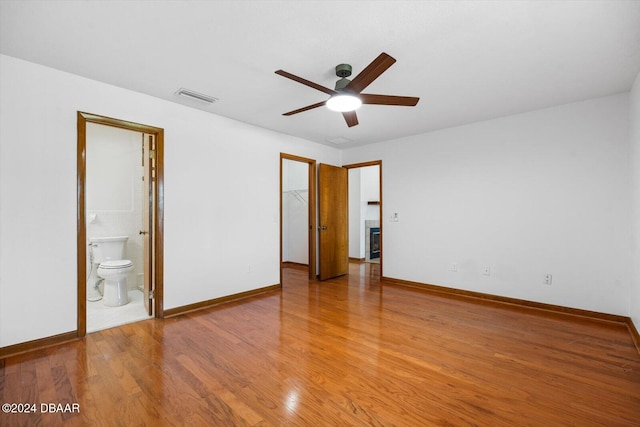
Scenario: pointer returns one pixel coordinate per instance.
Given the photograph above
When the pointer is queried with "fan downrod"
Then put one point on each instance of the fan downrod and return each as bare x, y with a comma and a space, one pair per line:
343, 71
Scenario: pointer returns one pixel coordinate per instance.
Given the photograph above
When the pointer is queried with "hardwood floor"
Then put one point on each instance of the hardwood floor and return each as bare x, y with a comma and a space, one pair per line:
346, 352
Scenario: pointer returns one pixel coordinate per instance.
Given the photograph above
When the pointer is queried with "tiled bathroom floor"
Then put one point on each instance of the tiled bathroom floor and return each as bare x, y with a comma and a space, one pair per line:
100, 317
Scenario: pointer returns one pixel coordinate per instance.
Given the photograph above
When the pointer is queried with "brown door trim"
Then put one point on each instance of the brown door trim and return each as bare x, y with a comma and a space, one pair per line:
379, 164
83, 119
312, 211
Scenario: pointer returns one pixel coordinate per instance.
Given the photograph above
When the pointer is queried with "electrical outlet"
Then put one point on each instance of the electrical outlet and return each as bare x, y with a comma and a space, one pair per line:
547, 279
486, 271
454, 267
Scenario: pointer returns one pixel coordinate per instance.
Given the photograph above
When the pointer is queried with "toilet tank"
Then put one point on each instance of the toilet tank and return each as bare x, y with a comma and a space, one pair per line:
107, 248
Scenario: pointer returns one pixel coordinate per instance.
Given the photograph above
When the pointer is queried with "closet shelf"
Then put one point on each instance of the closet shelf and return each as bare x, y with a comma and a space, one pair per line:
298, 194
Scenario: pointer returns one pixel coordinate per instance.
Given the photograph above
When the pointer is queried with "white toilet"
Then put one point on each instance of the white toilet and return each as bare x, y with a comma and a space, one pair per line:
108, 254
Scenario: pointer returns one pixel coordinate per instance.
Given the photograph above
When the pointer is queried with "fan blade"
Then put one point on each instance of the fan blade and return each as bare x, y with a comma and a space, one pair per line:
407, 101
308, 107
350, 117
306, 82
372, 72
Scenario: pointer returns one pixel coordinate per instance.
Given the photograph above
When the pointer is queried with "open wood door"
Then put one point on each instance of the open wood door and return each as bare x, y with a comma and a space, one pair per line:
333, 199
148, 155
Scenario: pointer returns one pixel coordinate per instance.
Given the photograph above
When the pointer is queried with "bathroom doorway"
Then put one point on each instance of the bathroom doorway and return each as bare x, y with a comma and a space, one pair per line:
120, 189
297, 214
365, 213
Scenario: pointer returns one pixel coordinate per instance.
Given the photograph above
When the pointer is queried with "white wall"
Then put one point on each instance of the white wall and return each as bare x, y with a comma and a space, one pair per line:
370, 191
221, 197
356, 223
634, 157
530, 194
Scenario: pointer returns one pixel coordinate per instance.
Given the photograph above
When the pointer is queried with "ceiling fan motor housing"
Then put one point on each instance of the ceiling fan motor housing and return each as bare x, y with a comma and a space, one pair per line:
343, 71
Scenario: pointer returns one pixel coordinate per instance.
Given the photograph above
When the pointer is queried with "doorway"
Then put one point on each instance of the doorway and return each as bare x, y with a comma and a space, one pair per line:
365, 213
297, 214
115, 197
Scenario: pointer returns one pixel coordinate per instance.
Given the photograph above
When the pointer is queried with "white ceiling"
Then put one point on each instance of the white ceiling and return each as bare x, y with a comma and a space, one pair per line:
466, 60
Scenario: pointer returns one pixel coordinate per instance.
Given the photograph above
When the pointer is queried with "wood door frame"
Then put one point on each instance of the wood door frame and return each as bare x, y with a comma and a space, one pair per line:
312, 210
379, 164
158, 225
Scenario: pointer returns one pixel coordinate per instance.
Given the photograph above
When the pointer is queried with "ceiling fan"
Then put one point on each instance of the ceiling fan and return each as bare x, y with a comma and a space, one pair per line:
347, 96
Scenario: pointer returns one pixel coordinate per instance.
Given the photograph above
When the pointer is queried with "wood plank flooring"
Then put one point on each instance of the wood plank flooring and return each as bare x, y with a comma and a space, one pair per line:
346, 352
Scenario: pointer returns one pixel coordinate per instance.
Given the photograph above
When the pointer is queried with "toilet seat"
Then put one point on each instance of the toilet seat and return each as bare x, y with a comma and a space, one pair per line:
116, 264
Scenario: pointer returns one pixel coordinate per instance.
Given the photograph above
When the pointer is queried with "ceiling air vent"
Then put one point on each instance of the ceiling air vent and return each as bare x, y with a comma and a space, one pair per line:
339, 140
196, 96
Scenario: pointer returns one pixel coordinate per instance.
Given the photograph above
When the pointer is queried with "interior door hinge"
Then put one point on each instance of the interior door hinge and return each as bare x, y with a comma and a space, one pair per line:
152, 154
152, 294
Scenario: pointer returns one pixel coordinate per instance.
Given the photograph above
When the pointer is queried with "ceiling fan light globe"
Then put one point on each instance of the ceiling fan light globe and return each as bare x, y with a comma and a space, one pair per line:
343, 103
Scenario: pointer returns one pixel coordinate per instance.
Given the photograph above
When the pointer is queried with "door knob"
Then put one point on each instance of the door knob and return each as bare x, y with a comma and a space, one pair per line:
323, 227
143, 232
